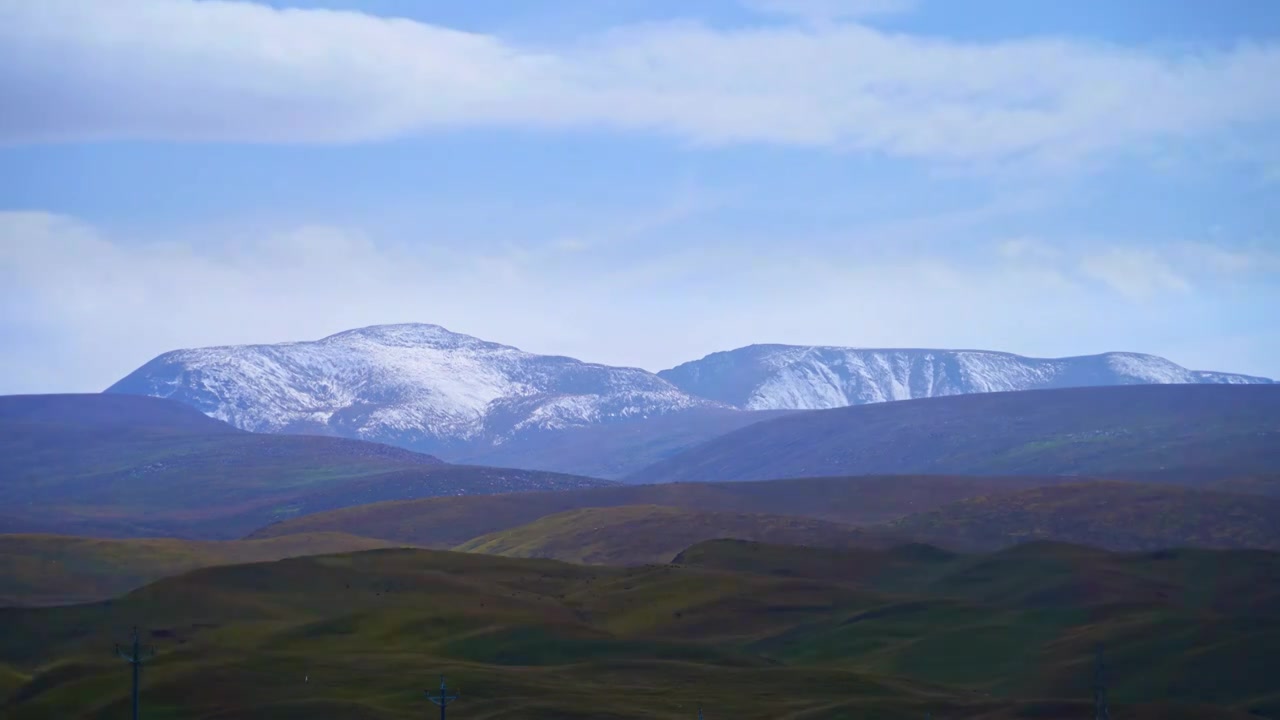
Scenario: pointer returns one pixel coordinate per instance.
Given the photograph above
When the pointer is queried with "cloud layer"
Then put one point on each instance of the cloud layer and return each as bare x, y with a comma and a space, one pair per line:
79, 308
234, 71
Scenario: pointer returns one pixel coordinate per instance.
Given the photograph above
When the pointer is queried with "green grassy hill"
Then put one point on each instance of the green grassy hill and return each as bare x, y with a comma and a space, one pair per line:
445, 522
1113, 515
987, 636
126, 466
639, 534
59, 569
1175, 432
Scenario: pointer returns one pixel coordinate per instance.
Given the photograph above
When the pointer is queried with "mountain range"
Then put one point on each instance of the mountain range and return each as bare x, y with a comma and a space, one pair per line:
431, 390
790, 377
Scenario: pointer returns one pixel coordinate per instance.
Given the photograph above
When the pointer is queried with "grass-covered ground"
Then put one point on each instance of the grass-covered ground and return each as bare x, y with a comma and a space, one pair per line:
444, 522
640, 524
746, 630
61, 569
1114, 515
640, 534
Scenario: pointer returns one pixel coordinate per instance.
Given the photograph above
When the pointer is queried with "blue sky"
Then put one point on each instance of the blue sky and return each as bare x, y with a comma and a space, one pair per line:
638, 182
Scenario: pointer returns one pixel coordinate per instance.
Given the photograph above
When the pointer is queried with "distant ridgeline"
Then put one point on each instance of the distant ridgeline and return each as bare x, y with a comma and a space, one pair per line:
425, 388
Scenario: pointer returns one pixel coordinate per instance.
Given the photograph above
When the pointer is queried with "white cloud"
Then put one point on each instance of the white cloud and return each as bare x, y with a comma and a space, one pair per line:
79, 308
1234, 261
234, 71
1028, 249
1134, 272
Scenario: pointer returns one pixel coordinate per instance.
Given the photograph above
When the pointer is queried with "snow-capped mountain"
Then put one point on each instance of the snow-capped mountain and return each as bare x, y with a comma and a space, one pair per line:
464, 399
419, 386
775, 377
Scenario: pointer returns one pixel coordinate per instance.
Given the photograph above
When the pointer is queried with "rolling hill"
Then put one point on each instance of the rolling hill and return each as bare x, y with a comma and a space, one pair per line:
62, 570
640, 534
1182, 432
445, 522
126, 466
995, 636
1113, 515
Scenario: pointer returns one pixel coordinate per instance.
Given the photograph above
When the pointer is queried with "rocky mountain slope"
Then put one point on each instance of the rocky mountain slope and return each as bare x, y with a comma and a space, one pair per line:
418, 386
774, 377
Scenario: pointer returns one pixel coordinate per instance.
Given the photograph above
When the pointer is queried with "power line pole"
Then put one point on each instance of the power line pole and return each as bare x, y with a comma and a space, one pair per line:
1100, 709
444, 699
135, 656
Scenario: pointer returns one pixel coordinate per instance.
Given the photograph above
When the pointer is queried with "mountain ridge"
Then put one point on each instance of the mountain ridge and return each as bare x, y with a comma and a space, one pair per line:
416, 385
818, 377
426, 388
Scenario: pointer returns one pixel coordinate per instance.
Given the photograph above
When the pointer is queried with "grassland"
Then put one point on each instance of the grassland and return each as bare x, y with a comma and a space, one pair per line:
446, 522
902, 633
651, 534
123, 466
1112, 515
59, 569
1181, 432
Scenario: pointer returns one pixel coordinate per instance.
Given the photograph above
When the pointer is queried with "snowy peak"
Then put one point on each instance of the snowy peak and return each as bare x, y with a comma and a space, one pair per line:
782, 377
429, 389
416, 385
411, 335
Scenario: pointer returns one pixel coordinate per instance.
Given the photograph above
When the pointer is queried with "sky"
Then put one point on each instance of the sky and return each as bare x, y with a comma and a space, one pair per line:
638, 182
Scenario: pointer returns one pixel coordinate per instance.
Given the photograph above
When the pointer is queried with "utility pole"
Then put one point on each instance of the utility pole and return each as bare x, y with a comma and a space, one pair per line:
444, 699
135, 656
1100, 710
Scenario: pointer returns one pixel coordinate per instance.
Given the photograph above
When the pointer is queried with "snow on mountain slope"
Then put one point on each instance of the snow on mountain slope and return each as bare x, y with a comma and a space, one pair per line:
416, 385
776, 377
